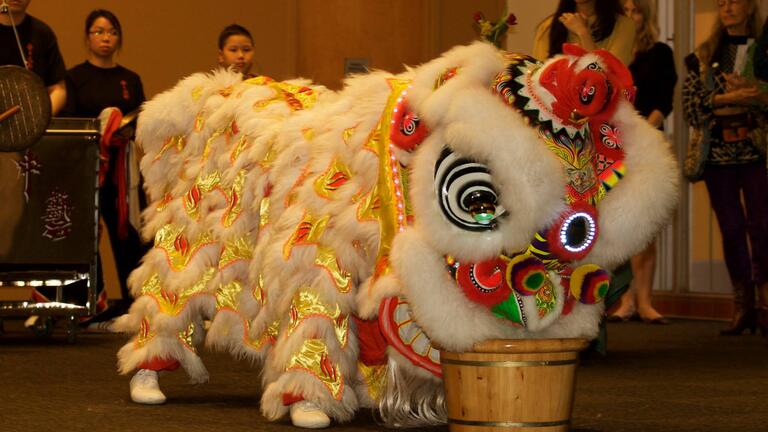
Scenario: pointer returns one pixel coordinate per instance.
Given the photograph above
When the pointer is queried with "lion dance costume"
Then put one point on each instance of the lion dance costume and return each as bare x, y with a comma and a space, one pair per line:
335, 239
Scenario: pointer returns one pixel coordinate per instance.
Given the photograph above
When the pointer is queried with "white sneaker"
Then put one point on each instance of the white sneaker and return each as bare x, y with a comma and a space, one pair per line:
306, 414
31, 321
145, 389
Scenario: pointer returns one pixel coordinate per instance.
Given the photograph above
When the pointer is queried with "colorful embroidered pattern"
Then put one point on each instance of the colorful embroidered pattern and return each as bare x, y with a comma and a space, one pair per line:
307, 232
171, 303
326, 259
227, 295
297, 97
267, 337
347, 134
186, 338
375, 379
234, 208
240, 249
176, 142
546, 299
227, 131
306, 303
335, 176
179, 251
369, 208
313, 359
203, 185
145, 333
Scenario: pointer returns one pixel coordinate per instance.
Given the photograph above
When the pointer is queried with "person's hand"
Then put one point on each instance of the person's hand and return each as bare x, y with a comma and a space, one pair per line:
734, 82
575, 23
750, 95
762, 98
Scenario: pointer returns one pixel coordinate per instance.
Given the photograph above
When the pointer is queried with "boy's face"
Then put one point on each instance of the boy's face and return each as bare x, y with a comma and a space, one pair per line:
238, 53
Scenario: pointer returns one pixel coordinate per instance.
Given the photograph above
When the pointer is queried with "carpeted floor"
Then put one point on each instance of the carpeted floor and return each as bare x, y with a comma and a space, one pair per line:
681, 377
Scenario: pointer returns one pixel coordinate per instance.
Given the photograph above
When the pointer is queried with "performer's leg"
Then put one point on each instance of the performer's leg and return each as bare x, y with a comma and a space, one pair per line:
310, 370
167, 336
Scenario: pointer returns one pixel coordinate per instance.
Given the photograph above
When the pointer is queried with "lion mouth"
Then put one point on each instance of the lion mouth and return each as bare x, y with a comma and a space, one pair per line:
405, 335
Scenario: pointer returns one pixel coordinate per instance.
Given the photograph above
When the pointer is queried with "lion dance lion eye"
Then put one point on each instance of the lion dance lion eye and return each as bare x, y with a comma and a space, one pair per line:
594, 66
466, 193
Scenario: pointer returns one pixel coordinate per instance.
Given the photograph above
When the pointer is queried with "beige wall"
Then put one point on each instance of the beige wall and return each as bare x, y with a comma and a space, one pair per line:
168, 39
165, 40
520, 37
387, 34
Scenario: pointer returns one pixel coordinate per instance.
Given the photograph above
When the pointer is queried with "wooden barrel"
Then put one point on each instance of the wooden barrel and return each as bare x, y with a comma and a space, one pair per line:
515, 385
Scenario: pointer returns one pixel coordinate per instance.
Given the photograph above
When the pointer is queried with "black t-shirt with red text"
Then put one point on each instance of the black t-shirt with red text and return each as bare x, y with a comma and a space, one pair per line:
90, 89
40, 48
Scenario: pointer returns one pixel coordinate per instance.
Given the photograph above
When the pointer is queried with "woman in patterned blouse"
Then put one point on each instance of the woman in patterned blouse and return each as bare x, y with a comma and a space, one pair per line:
722, 99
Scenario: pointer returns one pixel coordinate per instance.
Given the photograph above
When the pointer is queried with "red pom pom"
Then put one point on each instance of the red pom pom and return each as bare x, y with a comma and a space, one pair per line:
526, 274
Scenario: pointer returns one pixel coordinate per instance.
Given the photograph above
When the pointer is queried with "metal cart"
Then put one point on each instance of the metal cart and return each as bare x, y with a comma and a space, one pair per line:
49, 224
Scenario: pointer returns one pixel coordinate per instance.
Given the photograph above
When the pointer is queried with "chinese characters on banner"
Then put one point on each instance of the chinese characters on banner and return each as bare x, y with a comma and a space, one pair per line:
58, 216
27, 166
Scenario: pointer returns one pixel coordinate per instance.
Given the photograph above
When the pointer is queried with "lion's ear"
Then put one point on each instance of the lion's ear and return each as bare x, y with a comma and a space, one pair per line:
616, 69
407, 130
447, 74
549, 76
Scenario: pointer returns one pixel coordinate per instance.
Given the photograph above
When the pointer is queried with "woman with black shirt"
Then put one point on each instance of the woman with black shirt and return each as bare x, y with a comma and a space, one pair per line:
653, 70
99, 82
653, 65
93, 85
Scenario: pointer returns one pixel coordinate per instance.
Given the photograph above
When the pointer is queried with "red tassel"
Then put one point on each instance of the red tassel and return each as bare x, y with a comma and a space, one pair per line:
120, 176
120, 179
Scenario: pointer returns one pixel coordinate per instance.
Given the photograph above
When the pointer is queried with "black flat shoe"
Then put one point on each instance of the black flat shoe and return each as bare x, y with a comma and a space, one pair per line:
659, 321
616, 318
